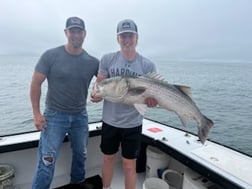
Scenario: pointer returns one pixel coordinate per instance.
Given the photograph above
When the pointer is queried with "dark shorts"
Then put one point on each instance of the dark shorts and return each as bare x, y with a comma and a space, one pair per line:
129, 138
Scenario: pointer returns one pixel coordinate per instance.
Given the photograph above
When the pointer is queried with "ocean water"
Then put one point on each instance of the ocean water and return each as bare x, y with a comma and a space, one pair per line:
221, 90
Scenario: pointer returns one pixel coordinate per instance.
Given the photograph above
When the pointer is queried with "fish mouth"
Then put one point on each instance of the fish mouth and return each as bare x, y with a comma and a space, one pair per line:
96, 91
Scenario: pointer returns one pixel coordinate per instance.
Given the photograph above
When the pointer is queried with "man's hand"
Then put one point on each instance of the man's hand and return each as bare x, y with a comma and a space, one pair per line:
93, 98
39, 122
151, 102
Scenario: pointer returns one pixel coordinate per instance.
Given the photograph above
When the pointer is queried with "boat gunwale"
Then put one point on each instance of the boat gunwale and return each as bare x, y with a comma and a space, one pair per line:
33, 143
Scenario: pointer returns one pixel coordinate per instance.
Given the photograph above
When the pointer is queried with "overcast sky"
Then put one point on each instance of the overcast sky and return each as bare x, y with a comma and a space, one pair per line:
173, 29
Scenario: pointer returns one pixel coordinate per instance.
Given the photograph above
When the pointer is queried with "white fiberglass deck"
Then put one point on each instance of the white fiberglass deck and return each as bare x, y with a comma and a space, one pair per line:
229, 163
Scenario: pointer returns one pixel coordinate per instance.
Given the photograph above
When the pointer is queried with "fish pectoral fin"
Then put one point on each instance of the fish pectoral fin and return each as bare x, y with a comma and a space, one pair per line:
136, 91
159, 106
114, 99
141, 108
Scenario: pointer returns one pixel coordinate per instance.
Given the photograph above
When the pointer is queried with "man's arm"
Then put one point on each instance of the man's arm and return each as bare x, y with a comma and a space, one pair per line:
35, 94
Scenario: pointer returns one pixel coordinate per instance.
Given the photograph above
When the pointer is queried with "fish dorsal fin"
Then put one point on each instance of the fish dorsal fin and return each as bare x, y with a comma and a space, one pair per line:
155, 76
185, 89
141, 108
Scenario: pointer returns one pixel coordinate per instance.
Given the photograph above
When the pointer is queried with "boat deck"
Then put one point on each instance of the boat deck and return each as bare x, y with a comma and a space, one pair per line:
216, 162
118, 178
228, 163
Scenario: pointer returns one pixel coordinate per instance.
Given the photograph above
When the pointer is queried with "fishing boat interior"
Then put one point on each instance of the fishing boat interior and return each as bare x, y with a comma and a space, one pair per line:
170, 158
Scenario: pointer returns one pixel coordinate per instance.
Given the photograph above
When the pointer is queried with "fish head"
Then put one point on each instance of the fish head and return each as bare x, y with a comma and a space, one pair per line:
112, 89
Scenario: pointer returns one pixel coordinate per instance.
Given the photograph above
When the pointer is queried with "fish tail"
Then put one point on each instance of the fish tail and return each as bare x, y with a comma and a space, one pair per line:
206, 125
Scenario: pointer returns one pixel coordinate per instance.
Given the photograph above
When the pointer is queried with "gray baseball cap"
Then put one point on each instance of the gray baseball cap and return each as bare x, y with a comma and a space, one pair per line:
75, 22
126, 25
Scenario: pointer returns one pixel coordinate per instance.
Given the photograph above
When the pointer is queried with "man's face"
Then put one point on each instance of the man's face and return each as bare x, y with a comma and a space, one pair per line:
127, 40
75, 37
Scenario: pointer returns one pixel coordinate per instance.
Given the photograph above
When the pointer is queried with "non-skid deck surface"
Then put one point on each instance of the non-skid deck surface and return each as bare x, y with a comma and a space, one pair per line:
95, 182
117, 183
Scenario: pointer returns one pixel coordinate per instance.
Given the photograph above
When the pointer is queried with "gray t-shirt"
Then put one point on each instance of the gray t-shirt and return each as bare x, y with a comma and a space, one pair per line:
114, 64
68, 78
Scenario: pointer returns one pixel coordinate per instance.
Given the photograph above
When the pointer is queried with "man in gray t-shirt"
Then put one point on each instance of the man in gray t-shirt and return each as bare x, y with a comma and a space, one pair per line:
68, 70
122, 124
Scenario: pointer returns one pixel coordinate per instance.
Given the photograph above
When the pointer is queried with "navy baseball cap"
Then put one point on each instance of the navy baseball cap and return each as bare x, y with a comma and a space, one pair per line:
126, 26
75, 22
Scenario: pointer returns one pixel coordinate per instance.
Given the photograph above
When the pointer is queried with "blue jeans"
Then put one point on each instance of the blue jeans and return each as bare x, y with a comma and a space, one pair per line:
51, 139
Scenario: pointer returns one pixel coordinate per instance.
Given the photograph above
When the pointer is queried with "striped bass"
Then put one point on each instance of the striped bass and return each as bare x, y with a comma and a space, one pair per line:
134, 91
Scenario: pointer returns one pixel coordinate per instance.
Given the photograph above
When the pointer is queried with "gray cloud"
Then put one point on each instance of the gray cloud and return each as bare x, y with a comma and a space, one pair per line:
181, 29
